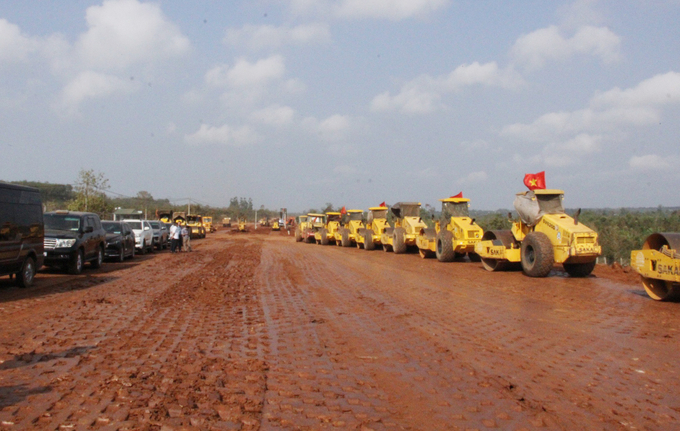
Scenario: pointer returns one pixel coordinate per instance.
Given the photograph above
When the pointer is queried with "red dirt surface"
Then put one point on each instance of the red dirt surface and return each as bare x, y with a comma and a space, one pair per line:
255, 331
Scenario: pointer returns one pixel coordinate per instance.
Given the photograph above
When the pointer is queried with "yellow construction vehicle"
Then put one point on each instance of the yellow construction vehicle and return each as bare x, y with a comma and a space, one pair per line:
180, 218
242, 225
543, 235
658, 264
300, 226
276, 225
346, 235
208, 224
195, 223
407, 227
454, 235
164, 216
315, 222
326, 234
226, 222
376, 223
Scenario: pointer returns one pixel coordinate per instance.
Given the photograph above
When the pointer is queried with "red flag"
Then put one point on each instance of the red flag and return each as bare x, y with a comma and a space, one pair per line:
343, 211
383, 205
459, 195
535, 181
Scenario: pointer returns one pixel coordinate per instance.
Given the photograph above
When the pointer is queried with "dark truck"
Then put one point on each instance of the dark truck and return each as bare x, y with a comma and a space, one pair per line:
21, 232
73, 238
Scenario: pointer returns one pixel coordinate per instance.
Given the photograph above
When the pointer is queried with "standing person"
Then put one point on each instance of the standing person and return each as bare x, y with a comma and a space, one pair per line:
186, 238
174, 236
179, 236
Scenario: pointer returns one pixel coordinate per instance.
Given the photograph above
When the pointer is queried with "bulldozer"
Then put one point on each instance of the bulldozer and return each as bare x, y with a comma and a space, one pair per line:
326, 234
226, 222
300, 226
407, 227
195, 223
315, 222
352, 222
454, 235
376, 223
543, 235
658, 264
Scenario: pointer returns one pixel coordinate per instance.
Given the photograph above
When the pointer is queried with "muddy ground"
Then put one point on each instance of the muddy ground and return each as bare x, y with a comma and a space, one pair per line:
254, 331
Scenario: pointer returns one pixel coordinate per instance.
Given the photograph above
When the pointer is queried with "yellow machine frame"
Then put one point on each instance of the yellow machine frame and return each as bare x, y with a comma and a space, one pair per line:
658, 264
375, 225
405, 231
569, 242
463, 234
346, 235
326, 235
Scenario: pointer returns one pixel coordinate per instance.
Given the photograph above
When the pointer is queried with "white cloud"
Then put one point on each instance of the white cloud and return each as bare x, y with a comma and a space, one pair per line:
334, 126
91, 85
473, 178
533, 50
245, 73
608, 113
224, 135
14, 46
423, 94
649, 162
274, 115
268, 36
656, 91
394, 10
122, 33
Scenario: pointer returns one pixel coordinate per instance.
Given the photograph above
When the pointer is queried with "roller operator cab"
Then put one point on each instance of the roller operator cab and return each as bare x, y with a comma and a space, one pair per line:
314, 223
454, 235
351, 223
407, 226
543, 235
326, 235
300, 226
368, 238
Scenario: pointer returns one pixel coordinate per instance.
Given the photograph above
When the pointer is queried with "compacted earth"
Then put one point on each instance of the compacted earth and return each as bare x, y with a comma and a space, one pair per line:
254, 331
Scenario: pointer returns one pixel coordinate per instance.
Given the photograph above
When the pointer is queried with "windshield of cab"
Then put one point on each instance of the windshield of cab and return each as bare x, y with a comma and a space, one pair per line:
355, 216
455, 209
378, 214
135, 224
62, 222
111, 227
550, 204
410, 211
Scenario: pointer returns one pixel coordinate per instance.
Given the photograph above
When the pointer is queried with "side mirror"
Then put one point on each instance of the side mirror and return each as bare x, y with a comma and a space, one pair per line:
576, 215
146, 227
472, 221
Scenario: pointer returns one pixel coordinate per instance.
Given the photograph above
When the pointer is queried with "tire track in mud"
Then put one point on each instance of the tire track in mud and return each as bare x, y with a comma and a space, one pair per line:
419, 385
520, 340
187, 354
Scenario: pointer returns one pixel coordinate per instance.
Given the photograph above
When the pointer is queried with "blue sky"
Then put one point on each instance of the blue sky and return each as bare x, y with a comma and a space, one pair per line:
297, 103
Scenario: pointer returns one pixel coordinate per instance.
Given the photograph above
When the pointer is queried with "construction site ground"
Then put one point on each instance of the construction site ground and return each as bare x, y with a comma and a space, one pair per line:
253, 331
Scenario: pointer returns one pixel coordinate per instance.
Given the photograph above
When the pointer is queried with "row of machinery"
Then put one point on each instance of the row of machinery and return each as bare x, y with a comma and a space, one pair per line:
542, 236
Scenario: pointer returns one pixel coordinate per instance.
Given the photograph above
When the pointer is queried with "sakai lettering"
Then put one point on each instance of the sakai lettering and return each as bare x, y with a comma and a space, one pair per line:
668, 269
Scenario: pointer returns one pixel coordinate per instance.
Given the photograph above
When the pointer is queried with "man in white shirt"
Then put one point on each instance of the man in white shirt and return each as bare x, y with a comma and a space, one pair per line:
175, 232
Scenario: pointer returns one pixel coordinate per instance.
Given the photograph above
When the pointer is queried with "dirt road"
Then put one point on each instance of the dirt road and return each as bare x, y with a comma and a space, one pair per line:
254, 331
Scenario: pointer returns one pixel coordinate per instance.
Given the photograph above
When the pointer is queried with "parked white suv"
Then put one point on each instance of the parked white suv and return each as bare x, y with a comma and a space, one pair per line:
143, 235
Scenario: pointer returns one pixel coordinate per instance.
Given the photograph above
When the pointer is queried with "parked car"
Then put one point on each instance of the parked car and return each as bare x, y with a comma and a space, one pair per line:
120, 240
160, 234
73, 238
143, 235
21, 232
